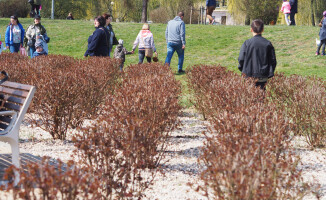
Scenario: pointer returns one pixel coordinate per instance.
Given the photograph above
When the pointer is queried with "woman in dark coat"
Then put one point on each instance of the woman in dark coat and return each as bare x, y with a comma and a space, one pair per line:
98, 42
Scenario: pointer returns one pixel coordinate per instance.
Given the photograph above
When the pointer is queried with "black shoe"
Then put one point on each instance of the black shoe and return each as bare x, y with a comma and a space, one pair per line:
180, 71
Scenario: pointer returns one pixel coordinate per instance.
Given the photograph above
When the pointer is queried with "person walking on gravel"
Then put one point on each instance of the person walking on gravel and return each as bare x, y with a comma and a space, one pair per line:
175, 35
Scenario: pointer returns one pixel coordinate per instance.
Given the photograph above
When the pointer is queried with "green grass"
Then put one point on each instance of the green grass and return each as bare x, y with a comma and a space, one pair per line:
212, 45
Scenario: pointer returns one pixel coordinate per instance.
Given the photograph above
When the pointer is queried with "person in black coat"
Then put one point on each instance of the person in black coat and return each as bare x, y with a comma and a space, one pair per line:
98, 42
257, 56
294, 10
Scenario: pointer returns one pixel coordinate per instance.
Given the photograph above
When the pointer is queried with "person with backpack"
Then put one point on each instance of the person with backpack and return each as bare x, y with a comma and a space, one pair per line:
14, 37
35, 32
120, 53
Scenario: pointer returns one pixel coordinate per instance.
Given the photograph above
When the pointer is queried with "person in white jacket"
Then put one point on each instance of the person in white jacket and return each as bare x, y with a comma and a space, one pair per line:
144, 40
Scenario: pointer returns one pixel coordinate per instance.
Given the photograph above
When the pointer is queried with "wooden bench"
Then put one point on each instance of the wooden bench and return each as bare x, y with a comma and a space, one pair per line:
17, 98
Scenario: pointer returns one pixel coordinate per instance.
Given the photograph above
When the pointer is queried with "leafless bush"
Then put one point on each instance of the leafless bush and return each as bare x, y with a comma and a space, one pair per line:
53, 181
303, 100
68, 90
131, 132
247, 154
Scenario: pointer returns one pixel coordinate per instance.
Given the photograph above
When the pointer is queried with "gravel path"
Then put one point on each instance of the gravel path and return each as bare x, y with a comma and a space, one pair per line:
180, 166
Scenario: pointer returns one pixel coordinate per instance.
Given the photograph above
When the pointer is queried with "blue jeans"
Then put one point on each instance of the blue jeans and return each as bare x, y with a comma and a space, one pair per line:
31, 51
171, 48
14, 48
141, 56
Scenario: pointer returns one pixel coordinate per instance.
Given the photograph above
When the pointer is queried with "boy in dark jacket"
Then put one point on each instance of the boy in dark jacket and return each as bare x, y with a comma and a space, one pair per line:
120, 53
257, 56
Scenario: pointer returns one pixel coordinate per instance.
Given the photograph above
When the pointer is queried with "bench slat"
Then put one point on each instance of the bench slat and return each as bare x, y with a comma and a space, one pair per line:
5, 119
3, 126
17, 85
16, 100
11, 106
15, 92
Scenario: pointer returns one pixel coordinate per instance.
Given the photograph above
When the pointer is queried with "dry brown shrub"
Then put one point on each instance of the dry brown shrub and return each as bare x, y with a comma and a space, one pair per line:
131, 132
247, 154
302, 99
68, 90
53, 181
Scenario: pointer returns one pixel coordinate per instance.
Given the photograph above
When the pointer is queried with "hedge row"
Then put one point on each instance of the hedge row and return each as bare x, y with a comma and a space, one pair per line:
247, 154
128, 137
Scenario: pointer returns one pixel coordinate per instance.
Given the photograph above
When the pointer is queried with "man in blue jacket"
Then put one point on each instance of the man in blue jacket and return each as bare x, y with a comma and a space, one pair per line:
175, 35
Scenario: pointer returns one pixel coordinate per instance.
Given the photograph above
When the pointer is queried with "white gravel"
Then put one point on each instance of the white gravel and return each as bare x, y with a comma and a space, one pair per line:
180, 166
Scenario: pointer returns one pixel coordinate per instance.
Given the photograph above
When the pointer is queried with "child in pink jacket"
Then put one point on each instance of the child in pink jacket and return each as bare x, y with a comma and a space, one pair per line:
286, 9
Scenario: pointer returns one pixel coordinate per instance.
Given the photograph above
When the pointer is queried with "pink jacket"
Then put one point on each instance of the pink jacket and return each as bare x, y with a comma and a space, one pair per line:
286, 8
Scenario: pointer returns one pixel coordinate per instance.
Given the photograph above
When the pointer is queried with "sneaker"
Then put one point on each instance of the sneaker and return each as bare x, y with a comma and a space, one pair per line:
317, 53
180, 71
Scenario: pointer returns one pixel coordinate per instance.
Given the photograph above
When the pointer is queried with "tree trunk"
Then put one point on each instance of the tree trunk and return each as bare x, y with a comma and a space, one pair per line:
312, 13
144, 12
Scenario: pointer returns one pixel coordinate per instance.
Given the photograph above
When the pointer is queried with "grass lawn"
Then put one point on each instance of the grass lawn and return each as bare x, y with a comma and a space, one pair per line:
212, 45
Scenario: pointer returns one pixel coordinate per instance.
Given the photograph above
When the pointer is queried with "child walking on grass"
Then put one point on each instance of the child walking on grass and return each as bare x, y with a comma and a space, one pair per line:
286, 9
120, 53
322, 35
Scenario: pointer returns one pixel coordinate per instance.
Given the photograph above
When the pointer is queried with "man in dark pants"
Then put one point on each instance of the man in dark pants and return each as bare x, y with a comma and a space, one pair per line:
294, 10
257, 56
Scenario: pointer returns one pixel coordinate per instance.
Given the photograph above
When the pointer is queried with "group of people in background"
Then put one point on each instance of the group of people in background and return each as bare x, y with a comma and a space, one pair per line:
100, 43
35, 38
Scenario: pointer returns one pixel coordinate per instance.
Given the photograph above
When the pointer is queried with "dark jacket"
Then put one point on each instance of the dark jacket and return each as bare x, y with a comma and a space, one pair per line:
98, 43
322, 32
257, 58
294, 6
114, 39
211, 3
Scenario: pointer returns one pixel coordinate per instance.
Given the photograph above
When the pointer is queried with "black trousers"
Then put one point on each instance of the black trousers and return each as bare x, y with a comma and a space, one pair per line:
292, 18
35, 8
261, 85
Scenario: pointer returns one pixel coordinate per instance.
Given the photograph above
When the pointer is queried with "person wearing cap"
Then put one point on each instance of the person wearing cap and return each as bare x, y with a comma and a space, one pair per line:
14, 35
120, 52
322, 35
39, 49
34, 32
144, 40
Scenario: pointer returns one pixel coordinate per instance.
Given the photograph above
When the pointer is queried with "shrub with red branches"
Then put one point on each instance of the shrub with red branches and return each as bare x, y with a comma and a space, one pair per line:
49, 180
302, 99
131, 132
247, 154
